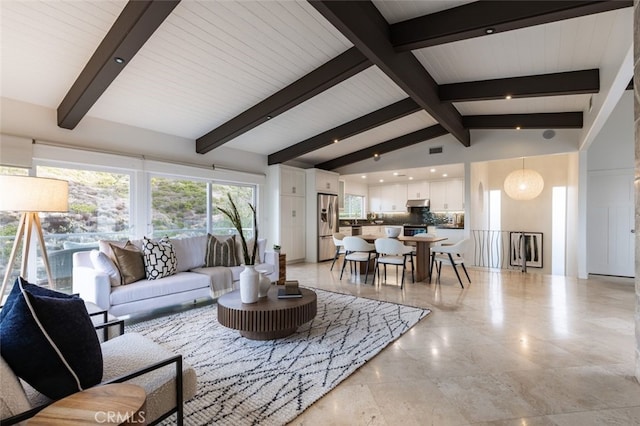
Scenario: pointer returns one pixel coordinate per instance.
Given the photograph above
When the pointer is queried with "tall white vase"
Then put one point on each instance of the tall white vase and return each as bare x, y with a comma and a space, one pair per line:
249, 284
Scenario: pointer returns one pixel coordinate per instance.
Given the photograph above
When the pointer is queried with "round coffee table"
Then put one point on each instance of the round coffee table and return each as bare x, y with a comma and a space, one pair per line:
268, 318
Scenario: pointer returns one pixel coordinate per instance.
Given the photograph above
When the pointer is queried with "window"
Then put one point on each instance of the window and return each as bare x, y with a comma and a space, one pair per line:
98, 209
353, 207
8, 228
178, 207
242, 195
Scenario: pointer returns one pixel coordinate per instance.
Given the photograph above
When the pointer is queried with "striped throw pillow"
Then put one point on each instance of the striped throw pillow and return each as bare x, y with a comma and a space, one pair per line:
221, 252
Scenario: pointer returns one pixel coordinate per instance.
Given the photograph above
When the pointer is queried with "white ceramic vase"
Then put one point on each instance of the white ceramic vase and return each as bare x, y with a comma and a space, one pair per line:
265, 284
249, 284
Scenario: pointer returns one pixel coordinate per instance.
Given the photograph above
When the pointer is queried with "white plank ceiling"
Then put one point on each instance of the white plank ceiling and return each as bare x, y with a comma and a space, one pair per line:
211, 60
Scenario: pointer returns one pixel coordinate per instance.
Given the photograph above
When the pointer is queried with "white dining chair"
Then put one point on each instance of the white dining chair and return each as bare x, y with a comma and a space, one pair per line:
357, 250
449, 255
392, 252
337, 241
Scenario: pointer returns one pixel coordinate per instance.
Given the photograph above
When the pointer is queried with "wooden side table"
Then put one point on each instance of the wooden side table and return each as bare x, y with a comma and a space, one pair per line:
113, 404
282, 268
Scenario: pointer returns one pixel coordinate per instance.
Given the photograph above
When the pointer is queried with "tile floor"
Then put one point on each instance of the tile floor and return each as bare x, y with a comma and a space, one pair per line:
509, 349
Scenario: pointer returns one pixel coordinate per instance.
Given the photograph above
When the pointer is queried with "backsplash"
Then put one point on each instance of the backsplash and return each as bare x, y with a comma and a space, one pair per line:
421, 217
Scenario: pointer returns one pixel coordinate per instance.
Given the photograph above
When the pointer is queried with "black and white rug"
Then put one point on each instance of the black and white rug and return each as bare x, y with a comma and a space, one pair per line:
246, 382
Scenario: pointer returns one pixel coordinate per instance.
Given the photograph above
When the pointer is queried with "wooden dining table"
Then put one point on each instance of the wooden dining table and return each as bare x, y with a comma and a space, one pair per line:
423, 251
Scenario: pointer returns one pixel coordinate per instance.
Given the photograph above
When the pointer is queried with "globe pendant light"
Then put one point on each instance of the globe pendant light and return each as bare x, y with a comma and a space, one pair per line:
523, 184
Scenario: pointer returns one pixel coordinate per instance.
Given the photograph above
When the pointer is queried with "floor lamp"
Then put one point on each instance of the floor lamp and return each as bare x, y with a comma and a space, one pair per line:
31, 195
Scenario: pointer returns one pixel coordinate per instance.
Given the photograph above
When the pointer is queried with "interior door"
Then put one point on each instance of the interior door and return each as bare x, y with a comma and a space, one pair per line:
611, 224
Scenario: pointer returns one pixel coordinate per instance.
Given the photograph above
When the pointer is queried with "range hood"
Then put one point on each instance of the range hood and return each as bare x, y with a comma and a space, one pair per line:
424, 202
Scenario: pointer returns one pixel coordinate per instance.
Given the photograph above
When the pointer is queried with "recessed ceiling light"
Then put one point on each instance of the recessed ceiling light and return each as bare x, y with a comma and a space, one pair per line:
410, 177
489, 30
432, 170
395, 173
269, 117
444, 175
517, 127
335, 141
508, 97
118, 60
363, 176
381, 180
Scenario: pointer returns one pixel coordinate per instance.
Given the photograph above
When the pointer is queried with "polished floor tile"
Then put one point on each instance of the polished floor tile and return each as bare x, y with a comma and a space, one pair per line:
508, 349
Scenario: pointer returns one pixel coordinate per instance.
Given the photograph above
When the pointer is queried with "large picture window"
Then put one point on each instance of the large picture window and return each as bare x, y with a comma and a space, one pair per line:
178, 207
98, 209
242, 195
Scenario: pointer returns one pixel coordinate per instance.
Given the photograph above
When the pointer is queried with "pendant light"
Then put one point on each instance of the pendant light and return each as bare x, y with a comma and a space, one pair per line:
523, 184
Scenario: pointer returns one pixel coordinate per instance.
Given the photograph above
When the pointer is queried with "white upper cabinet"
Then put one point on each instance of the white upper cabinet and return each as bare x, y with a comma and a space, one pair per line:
325, 182
292, 181
388, 198
418, 190
447, 195
375, 199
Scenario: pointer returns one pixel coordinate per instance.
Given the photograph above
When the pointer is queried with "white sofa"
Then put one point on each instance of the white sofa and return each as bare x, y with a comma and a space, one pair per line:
191, 282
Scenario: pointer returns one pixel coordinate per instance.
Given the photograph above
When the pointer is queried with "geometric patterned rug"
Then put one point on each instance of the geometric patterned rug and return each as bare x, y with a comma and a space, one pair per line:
248, 382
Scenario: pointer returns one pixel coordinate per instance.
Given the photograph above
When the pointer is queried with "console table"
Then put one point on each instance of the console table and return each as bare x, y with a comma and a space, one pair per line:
268, 318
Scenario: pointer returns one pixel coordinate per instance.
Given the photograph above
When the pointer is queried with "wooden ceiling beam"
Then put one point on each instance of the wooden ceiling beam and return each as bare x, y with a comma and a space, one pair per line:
338, 69
131, 30
483, 18
551, 120
367, 29
361, 124
400, 142
563, 83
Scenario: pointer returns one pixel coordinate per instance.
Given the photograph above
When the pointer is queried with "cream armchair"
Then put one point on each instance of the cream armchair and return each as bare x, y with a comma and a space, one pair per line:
131, 358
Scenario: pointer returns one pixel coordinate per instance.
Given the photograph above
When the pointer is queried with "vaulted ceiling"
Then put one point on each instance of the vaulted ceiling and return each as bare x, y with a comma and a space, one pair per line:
326, 83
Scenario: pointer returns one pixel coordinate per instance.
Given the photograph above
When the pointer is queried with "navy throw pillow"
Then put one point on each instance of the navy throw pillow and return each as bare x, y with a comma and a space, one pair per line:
48, 340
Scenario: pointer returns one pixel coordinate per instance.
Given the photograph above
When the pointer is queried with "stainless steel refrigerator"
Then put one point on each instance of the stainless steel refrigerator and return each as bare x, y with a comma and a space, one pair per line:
327, 225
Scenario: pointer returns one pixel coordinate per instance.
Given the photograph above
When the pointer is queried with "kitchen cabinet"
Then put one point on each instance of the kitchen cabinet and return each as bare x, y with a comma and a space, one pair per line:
323, 181
292, 181
286, 221
394, 197
292, 227
418, 190
447, 195
375, 199
345, 230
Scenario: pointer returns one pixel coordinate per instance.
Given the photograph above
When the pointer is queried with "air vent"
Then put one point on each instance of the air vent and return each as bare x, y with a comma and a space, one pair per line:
435, 150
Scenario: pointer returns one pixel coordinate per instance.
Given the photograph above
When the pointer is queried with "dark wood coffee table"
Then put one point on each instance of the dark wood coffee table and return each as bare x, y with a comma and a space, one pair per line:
268, 318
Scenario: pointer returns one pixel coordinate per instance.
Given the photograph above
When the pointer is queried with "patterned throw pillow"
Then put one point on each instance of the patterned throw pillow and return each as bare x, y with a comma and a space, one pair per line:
159, 258
221, 252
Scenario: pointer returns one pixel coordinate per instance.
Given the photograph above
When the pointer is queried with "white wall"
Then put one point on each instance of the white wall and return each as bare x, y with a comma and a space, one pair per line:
36, 122
355, 188
613, 148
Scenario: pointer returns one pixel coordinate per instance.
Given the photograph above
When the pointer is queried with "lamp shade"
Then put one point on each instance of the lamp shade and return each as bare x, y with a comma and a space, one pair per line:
33, 194
523, 184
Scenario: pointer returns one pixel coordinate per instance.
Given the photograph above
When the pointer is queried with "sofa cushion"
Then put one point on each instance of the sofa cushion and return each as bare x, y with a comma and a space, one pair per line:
13, 400
221, 251
144, 289
129, 261
48, 340
103, 263
190, 252
262, 245
159, 258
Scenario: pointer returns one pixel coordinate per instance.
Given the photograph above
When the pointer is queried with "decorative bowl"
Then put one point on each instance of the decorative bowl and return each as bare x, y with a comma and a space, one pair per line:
393, 231
378, 222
